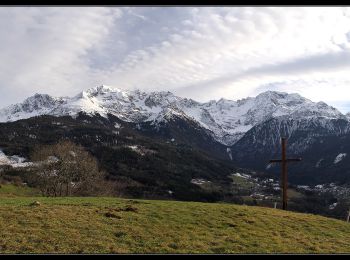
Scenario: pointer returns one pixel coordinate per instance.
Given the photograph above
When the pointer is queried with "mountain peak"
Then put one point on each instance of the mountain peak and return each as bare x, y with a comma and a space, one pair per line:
271, 93
38, 96
38, 101
279, 95
228, 120
99, 90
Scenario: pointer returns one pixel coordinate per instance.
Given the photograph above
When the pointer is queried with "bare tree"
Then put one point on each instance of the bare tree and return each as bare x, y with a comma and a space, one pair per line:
66, 169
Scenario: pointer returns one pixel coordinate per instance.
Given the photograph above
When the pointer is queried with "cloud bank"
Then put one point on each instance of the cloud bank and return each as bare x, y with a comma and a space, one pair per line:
198, 52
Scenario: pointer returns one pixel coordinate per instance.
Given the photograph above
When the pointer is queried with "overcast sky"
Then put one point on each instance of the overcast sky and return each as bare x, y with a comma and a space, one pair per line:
202, 53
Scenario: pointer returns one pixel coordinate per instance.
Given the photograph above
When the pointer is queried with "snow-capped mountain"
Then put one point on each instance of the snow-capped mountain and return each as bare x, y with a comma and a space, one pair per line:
245, 132
235, 118
227, 120
348, 115
39, 104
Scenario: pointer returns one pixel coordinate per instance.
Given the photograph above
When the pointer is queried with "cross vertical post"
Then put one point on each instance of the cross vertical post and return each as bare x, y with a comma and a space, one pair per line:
284, 161
284, 174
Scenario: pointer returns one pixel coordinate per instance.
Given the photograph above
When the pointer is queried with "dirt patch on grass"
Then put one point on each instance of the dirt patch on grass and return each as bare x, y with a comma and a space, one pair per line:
127, 208
112, 211
130, 208
120, 234
112, 215
232, 225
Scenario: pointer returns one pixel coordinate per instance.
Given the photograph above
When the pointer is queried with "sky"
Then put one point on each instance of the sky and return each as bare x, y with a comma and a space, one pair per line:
203, 53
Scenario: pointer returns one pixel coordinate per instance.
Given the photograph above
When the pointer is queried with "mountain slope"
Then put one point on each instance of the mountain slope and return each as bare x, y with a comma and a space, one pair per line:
148, 166
312, 139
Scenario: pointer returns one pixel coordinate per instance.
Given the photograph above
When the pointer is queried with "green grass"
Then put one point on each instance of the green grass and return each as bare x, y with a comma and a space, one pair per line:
10, 190
241, 182
110, 225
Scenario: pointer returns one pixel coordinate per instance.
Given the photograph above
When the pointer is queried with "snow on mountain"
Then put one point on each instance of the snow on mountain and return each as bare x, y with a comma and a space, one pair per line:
348, 116
319, 162
39, 104
339, 158
14, 160
228, 120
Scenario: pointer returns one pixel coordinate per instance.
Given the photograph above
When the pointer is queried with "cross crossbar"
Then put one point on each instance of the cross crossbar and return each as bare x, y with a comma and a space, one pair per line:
287, 160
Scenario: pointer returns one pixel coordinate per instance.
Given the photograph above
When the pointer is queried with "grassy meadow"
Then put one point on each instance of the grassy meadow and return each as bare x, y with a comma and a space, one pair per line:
114, 225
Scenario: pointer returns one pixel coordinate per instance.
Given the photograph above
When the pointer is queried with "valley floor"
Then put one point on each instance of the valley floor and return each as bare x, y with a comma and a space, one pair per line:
111, 225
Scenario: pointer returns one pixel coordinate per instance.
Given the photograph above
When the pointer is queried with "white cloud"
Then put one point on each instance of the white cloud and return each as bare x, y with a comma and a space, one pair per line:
45, 49
224, 43
202, 52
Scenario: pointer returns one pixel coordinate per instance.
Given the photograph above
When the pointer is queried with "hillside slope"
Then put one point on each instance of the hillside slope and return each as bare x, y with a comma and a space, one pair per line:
110, 225
148, 167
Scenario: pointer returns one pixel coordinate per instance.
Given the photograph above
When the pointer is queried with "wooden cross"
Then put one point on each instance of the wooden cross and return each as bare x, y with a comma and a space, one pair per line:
284, 162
